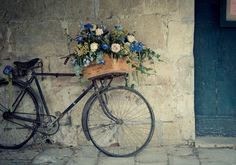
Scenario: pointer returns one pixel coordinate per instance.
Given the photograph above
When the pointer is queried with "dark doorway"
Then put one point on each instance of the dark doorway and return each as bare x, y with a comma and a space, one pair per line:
215, 72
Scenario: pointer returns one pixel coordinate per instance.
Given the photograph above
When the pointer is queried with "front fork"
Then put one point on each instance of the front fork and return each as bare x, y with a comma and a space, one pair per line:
103, 100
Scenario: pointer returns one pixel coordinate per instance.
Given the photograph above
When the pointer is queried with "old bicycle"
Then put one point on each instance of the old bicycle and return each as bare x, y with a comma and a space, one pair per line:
118, 120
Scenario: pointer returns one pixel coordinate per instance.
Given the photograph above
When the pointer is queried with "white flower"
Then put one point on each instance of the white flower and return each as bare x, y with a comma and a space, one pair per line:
115, 48
127, 43
131, 38
86, 62
93, 46
99, 32
94, 27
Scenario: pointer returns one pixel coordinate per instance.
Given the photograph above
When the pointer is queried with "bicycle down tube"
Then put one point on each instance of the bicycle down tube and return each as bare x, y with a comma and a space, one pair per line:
34, 74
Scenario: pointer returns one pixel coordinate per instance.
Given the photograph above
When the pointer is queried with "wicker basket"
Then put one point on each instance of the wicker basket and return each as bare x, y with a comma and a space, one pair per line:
111, 66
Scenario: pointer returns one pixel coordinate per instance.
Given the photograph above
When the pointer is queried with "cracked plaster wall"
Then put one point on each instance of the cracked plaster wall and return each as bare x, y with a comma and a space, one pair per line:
35, 28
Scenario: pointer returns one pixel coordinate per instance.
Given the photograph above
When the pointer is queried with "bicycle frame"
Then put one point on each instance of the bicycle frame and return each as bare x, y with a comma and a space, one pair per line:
69, 108
62, 114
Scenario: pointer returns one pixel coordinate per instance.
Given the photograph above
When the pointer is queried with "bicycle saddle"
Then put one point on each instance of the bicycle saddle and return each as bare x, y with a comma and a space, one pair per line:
26, 65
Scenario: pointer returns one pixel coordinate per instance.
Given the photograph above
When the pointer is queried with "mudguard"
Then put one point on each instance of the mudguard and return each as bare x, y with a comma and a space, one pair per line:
85, 114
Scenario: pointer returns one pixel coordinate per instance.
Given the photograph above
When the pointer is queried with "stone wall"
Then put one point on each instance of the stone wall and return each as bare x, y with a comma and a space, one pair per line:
35, 28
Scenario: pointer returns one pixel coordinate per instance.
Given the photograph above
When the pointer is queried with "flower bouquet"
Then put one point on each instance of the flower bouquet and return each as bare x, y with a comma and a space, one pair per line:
100, 51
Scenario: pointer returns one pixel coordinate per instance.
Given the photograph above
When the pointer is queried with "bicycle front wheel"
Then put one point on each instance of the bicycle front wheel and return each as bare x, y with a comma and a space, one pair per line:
132, 129
19, 116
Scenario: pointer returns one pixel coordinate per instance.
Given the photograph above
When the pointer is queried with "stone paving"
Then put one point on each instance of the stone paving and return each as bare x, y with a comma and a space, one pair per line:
88, 155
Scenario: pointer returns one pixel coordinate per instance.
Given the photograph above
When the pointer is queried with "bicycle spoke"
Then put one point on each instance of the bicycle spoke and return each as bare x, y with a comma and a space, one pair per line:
100, 126
134, 133
25, 126
18, 100
3, 108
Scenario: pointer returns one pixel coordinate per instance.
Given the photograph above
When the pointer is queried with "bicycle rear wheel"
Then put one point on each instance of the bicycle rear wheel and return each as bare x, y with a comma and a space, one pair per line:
19, 123
131, 132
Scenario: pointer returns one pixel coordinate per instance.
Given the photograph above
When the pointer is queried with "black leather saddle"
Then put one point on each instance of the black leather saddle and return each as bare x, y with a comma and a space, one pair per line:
26, 65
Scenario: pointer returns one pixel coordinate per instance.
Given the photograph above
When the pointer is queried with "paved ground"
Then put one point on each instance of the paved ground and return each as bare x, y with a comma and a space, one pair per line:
88, 155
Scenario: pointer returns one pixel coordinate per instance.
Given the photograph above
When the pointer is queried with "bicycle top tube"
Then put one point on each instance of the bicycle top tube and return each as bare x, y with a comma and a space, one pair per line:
104, 76
54, 74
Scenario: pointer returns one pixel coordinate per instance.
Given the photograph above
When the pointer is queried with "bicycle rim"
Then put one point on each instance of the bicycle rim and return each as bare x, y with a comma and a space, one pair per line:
17, 132
136, 126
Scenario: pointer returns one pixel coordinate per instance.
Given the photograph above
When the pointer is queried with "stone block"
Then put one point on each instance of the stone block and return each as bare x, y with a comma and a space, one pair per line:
214, 156
120, 8
164, 76
25, 154
180, 40
116, 161
171, 133
186, 8
62, 96
157, 135
7, 11
155, 163
38, 39
152, 155
14, 162
157, 96
172, 6
86, 155
149, 30
53, 156
180, 151
88, 151
80, 10
82, 161
34, 11
156, 6
190, 160
185, 116
67, 135
185, 75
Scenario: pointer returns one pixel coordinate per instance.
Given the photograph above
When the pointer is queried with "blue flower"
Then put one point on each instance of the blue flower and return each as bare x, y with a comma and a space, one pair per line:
101, 62
136, 46
88, 26
105, 46
8, 70
79, 39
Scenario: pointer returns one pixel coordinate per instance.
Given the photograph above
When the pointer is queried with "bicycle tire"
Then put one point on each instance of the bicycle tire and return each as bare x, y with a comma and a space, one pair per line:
103, 132
16, 133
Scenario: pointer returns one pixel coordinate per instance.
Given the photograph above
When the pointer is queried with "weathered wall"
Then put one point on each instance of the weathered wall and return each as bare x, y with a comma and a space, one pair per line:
35, 28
